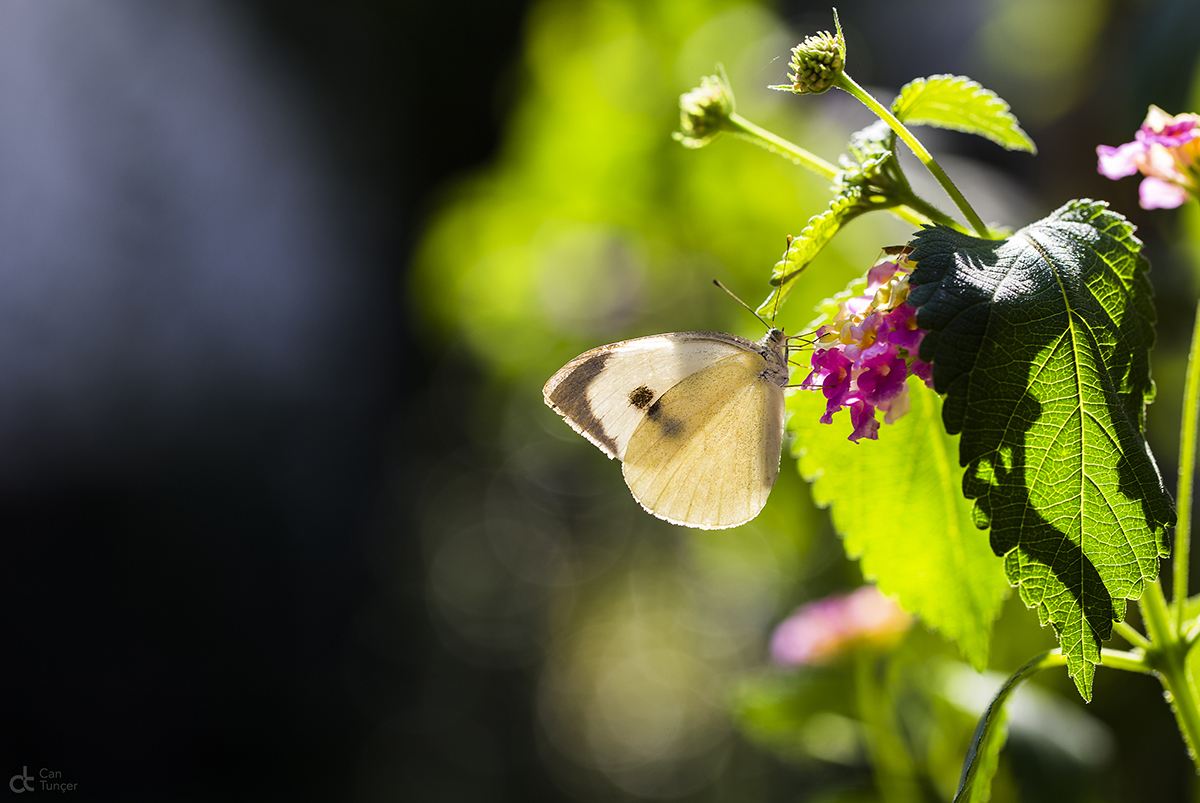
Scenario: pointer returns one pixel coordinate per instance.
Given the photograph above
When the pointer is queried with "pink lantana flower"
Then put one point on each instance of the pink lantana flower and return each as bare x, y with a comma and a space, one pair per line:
862, 359
823, 630
1166, 150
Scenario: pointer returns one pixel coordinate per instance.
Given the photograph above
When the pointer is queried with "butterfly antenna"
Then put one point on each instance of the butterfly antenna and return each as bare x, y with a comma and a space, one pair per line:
744, 304
779, 289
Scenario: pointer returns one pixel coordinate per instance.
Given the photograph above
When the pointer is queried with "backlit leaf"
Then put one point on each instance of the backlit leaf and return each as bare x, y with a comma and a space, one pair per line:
897, 504
960, 104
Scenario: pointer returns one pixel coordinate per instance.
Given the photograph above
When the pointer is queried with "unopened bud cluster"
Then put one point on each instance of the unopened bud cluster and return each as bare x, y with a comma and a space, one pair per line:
704, 111
817, 63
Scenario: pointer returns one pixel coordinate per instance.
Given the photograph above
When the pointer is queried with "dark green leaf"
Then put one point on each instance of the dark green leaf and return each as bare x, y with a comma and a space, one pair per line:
958, 103
1041, 343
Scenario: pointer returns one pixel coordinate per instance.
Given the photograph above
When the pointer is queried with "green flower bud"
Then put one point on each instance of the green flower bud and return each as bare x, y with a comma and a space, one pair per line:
704, 111
817, 62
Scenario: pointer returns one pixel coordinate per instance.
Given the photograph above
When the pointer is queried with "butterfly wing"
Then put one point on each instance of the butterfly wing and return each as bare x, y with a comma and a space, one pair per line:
706, 454
604, 393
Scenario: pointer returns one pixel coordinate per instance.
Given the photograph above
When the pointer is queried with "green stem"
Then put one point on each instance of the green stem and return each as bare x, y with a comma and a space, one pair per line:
1126, 631
846, 83
1182, 697
1159, 625
895, 775
1168, 658
1125, 661
987, 734
775, 144
1187, 469
915, 212
934, 214
910, 216
1112, 659
1047, 660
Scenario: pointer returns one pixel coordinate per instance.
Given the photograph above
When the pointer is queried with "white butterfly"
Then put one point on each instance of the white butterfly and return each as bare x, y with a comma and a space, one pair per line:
696, 418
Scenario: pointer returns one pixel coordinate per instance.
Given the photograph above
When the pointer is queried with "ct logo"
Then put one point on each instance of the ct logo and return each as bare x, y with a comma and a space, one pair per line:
24, 777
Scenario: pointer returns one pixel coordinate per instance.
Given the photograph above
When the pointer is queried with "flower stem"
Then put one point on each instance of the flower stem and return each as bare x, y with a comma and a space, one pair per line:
799, 156
915, 212
1187, 470
846, 83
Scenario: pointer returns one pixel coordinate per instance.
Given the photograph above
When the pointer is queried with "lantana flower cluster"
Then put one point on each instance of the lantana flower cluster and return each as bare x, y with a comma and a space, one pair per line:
821, 631
862, 359
1166, 150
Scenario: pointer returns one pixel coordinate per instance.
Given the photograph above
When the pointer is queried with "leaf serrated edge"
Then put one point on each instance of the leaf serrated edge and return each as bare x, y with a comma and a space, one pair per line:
805, 246
999, 110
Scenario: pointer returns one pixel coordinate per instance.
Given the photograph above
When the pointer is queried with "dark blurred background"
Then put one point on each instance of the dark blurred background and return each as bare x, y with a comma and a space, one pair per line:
233, 427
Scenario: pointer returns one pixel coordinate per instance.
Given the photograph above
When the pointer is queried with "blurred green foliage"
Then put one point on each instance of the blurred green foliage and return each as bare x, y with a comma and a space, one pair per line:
595, 226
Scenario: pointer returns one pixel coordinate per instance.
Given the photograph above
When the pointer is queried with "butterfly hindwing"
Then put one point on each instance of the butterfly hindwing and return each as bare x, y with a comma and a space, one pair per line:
707, 452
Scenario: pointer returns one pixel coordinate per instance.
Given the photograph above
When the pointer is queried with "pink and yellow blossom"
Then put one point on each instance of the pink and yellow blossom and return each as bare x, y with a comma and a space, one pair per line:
862, 359
1166, 150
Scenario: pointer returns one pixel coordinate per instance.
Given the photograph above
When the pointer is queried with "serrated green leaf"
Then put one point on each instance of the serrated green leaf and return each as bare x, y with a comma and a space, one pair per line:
1041, 343
897, 504
803, 248
861, 185
958, 103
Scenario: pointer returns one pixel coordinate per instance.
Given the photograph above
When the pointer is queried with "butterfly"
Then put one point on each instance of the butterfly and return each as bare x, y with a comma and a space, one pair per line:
696, 419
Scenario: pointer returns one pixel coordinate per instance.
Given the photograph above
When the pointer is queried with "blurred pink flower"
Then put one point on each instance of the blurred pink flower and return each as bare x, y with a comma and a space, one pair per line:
862, 359
823, 630
1166, 150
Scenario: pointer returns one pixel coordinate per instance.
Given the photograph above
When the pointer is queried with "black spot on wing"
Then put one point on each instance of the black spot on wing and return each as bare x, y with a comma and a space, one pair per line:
641, 397
670, 427
570, 399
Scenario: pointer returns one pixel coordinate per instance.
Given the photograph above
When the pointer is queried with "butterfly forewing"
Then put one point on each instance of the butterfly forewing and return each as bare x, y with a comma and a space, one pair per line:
604, 393
706, 454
